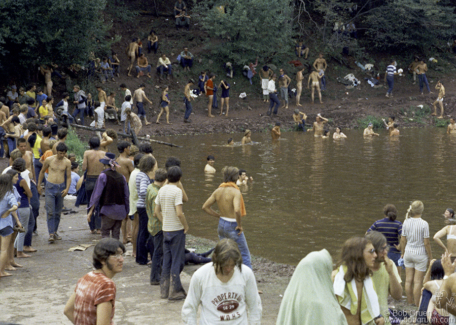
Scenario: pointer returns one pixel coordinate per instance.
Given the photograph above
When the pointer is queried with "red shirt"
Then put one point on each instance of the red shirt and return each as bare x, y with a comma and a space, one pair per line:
92, 289
210, 92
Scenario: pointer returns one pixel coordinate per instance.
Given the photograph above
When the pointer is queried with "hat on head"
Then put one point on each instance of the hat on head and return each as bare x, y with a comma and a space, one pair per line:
109, 159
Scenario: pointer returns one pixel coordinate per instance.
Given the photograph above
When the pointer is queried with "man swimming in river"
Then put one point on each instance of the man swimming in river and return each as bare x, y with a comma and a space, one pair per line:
390, 123
319, 125
394, 132
451, 127
369, 132
210, 165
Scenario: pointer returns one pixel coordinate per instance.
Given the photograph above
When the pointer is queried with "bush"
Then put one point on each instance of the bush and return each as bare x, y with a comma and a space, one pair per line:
376, 121
75, 145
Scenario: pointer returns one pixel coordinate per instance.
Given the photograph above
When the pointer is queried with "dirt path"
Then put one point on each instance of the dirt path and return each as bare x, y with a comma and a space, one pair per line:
37, 293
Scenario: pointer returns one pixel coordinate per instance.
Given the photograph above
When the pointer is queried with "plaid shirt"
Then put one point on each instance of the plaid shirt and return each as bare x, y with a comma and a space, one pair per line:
154, 225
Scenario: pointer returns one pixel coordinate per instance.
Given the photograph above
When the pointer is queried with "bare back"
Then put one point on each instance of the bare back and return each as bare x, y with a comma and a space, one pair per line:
228, 200
92, 162
126, 167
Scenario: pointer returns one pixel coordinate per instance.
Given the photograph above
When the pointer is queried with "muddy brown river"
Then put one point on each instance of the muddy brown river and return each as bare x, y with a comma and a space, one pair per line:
311, 193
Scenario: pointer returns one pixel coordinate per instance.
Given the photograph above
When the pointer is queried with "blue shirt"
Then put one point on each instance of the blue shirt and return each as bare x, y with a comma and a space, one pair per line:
31, 112
40, 98
8, 201
390, 229
74, 181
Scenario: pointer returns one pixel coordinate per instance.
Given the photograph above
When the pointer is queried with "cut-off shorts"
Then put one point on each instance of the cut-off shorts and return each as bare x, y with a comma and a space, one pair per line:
417, 262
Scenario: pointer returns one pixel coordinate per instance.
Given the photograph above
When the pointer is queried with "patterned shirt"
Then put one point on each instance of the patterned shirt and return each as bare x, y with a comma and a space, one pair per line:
391, 70
142, 182
416, 230
91, 290
168, 198
154, 225
390, 229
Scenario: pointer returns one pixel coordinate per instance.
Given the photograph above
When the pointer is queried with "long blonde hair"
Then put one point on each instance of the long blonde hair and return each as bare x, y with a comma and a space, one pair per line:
416, 208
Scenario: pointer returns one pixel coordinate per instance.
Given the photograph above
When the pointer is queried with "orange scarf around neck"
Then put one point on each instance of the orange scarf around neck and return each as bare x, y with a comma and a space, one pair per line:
233, 185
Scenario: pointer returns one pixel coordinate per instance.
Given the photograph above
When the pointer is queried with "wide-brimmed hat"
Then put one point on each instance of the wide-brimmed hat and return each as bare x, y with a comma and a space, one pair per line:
108, 158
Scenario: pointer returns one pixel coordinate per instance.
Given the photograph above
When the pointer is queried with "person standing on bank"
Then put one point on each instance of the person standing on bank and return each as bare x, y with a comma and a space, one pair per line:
421, 70
232, 208
164, 105
389, 77
187, 99
111, 195
439, 99
225, 86
273, 99
209, 90
284, 82
57, 186
265, 74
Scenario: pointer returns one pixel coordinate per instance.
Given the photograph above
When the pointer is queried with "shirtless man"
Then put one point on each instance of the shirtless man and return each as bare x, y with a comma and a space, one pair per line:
126, 167
318, 125
210, 165
132, 53
46, 71
56, 188
439, 99
284, 82
102, 97
315, 77
412, 68
451, 127
320, 65
62, 135
45, 140
231, 205
243, 178
369, 132
91, 163
275, 132
111, 106
27, 156
107, 138
140, 95
390, 123
300, 119
299, 78
421, 69
247, 137
265, 74
394, 131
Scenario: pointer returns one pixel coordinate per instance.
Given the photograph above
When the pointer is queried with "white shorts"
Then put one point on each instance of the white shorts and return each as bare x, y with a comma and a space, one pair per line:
417, 262
264, 86
440, 99
102, 105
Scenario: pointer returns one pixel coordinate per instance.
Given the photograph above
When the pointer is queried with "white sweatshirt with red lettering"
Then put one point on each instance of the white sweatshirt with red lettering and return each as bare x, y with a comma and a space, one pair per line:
232, 303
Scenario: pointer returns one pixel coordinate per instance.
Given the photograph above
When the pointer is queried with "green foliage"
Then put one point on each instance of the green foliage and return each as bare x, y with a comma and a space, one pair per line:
119, 10
75, 145
376, 121
249, 28
410, 24
34, 32
440, 123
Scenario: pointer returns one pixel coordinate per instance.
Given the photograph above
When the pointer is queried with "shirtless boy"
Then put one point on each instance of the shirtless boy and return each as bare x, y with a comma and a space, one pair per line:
318, 125
102, 98
320, 65
231, 205
132, 53
265, 74
451, 127
421, 70
126, 167
315, 78
210, 165
140, 95
247, 137
284, 82
369, 132
107, 138
299, 78
275, 132
390, 125
300, 119
412, 68
394, 131
56, 188
439, 99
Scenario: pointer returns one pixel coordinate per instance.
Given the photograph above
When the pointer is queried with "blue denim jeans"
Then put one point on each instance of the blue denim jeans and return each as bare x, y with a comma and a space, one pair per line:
151, 47
302, 125
390, 81
24, 216
35, 211
143, 236
188, 108
423, 81
227, 229
186, 62
54, 205
156, 251
173, 261
128, 126
323, 83
393, 256
80, 112
143, 69
162, 69
38, 165
273, 99
141, 111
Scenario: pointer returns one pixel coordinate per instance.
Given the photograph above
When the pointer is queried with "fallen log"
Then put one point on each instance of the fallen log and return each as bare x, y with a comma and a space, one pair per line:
124, 135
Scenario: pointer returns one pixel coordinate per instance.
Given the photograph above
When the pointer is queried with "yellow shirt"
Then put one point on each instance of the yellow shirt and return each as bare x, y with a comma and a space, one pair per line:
43, 112
33, 95
36, 147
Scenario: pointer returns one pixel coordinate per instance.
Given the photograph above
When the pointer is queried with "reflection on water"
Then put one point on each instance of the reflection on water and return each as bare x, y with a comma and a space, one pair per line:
312, 193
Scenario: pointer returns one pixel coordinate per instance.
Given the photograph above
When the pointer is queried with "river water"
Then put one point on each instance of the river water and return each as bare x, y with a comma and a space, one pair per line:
311, 193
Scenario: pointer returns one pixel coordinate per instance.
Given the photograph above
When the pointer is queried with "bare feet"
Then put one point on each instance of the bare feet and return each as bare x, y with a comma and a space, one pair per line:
129, 75
321, 102
148, 123
286, 107
22, 255
434, 114
157, 122
168, 123
211, 115
137, 76
149, 76
298, 104
10, 268
440, 117
29, 249
4, 274
13, 263
98, 232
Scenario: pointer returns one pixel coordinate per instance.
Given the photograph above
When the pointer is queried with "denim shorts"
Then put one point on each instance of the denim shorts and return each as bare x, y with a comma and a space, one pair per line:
6, 231
141, 111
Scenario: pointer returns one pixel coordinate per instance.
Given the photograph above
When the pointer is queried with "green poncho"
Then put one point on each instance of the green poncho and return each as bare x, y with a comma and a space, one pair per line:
309, 298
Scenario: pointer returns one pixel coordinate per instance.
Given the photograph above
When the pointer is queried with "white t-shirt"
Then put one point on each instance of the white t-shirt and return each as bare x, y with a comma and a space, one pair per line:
24, 175
10, 95
100, 116
21, 118
65, 106
222, 303
128, 92
133, 191
123, 115
271, 86
168, 197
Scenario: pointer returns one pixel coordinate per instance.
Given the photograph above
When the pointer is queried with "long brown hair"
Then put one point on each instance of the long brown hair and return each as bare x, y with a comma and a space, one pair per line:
353, 257
225, 250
